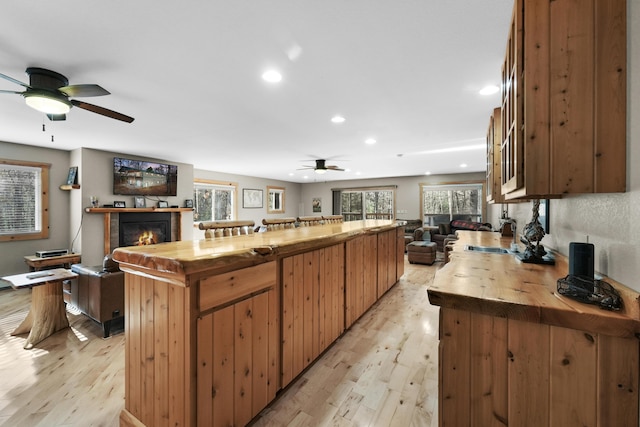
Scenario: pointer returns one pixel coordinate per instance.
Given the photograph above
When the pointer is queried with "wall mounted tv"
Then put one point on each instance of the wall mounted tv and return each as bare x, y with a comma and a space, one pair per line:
141, 178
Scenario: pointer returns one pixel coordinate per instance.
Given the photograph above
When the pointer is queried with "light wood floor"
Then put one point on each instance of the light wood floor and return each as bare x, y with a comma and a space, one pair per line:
382, 372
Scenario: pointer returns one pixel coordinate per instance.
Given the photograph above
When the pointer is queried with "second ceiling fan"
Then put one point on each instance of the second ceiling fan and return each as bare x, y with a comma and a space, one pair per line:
321, 167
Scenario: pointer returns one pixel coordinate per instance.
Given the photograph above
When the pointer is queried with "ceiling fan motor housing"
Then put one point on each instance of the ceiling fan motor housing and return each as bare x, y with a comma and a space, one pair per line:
46, 79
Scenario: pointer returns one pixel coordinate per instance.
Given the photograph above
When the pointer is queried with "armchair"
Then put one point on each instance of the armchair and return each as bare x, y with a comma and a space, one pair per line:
98, 292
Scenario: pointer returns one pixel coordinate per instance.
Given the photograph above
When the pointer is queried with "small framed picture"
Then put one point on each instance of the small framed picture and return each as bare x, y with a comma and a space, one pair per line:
72, 178
163, 204
140, 202
188, 203
119, 204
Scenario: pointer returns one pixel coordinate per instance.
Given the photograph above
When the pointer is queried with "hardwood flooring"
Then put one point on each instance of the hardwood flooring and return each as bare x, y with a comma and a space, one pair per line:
381, 372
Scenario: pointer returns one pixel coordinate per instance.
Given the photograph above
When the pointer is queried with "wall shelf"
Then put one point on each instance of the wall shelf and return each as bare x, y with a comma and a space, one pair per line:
68, 187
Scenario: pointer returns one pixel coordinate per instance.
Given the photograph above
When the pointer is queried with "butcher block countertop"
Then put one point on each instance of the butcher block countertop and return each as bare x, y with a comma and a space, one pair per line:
178, 259
503, 286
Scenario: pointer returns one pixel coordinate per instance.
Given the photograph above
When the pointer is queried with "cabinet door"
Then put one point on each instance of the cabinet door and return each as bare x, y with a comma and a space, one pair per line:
361, 276
312, 306
237, 361
386, 261
494, 141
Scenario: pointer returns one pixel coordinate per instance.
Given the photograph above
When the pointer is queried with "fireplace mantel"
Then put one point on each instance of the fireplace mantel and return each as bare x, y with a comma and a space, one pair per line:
106, 212
118, 210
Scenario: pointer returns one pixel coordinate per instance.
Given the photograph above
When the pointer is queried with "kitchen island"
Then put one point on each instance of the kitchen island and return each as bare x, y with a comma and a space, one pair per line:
215, 328
515, 352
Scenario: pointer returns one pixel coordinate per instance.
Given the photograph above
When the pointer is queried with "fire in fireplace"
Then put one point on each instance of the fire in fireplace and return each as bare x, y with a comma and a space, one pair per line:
148, 228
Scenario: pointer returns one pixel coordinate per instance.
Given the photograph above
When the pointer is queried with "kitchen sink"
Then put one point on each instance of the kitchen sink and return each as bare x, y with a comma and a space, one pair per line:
489, 249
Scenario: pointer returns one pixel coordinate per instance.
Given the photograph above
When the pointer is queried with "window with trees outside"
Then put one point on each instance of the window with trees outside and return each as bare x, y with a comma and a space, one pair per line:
24, 190
443, 203
214, 201
358, 204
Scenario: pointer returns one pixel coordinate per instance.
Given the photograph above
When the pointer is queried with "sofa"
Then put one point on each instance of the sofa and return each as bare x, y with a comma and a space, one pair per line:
448, 230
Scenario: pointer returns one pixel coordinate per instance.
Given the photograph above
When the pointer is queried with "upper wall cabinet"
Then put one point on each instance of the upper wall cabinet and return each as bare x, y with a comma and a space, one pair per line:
564, 99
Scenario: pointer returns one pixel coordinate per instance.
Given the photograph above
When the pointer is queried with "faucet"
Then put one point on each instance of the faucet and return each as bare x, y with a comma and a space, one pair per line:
514, 228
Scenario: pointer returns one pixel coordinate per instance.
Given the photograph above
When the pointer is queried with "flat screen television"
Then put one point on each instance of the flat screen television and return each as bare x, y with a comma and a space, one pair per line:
141, 178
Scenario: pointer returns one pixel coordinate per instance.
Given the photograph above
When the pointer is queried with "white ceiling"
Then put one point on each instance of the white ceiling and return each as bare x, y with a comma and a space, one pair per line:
405, 72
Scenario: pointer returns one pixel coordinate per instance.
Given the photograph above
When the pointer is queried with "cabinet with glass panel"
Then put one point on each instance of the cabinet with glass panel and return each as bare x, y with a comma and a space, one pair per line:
563, 109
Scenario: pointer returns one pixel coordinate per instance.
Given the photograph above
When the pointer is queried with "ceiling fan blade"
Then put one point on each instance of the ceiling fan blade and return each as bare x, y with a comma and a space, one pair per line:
334, 168
11, 91
84, 90
57, 117
101, 110
11, 79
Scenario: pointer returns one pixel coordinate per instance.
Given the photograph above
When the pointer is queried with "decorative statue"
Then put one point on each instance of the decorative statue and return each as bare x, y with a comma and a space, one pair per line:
533, 233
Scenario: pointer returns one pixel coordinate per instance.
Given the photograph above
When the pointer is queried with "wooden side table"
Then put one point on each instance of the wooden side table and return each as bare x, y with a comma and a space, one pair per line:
36, 263
47, 314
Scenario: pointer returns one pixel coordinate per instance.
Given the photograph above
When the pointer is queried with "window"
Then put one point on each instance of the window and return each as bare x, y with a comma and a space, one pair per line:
24, 200
443, 203
214, 201
357, 204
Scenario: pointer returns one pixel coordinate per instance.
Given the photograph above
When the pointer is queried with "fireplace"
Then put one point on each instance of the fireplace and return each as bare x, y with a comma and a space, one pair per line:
144, 228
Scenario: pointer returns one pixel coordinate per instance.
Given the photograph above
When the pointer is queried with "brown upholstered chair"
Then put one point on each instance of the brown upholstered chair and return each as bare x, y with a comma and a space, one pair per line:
98, 292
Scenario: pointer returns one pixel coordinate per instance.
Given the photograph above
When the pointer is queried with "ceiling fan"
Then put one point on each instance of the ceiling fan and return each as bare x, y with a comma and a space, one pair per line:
49, 93
321, 167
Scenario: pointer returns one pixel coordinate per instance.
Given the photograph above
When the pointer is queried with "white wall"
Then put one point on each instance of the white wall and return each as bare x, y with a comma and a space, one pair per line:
12, 253
610, 221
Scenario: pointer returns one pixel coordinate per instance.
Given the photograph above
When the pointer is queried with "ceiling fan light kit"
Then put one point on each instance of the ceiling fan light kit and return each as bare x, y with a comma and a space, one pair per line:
47, 103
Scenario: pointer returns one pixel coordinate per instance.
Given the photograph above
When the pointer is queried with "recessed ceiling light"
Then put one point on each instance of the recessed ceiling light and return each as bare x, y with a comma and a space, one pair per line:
370, 141
489, 90
463, 165
291, 174
337, 119
272, 76
427, 173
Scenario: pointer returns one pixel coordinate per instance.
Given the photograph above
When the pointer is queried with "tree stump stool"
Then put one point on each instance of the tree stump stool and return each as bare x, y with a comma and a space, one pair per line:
47, 314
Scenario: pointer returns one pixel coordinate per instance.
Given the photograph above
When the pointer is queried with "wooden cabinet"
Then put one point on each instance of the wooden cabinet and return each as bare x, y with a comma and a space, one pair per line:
216, 328
498, 371
312, 306
563, 106
515, 352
